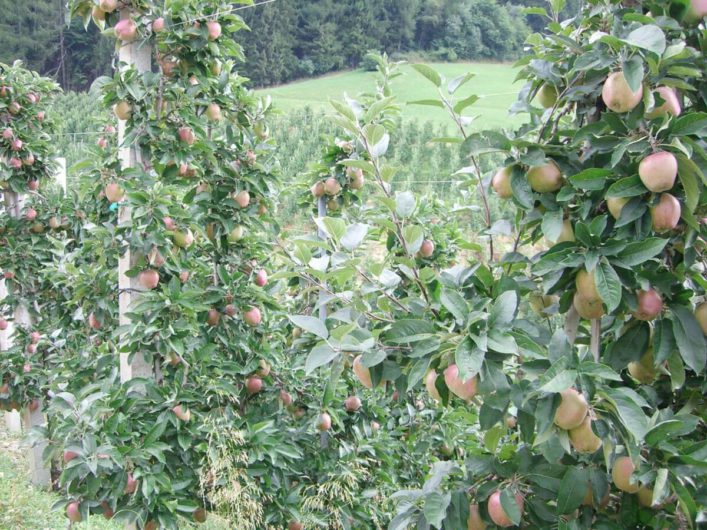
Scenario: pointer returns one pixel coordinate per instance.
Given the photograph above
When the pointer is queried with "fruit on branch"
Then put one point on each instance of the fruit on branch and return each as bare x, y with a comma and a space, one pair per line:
427, 248
572, 410
150, 525
148, 279
108, 5
113, 192
14, 108
286, 398
324, 422
28, 160
9, 275
230, 310
497, 513
236, 234
35, 337
474, 521
3, 324
40, 116
701, 316
356, 178
93, 322
73, 512
102, 143
566, 234
126, 30
616, 205
242, 198
666, 214
54, 222
7, 134
650, 305
375, 426
214, 29
658, 171
155, 258
31, 349
463, 389
213, 317
158, 25
617, 94
200, 515
643, 370
621, 475
295, 525
430, 385
696, 11
317, 189
645, 497
546, 178
184, 276
252, 317
182, 413
31, 214
539, 303
263, 368
69, 456
583, 438
169, 223
213, 112
123, 110
352, 403
108, 512
253, 385
501, 182
332, 186
547, 96
15, 163
587, 301
183, 239
670, 105
362, 373
131, 483
261, 278
16, 144
186, 135
251, 157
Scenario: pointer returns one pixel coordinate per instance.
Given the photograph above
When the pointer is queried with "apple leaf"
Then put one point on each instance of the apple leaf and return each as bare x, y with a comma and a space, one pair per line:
573, 488
310, 324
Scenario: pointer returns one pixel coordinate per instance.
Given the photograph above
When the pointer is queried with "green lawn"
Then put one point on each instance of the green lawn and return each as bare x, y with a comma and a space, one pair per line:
493, 82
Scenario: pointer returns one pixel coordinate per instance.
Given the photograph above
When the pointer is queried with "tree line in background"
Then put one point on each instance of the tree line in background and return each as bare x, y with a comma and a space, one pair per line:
291, 38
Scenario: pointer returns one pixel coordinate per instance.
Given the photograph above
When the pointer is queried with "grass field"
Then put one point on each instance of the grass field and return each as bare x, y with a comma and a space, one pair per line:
493, 82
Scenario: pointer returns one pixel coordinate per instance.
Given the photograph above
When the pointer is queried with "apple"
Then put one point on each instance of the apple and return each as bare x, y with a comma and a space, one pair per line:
69, 456
98, 14
475, 522
356, 179
263, 368
572, 410
214, 29
496, 511
295, 525
4, 324
501, 182
31, 349
40, 116
150, 525
547, 96
184, 276
9, 275
621, 475
102, 143
236, 234
352, 403
658, 171
539, 303
108, 5
108, 512
286, 398
666, 213
200, 515
230, 310
427, 248
93, 322
643, 370
213, 112
616, 205
670, 105
7, 134
73, 512
126, 30
645, 497
148, 279
546, 178
113, 192
213, 317
618, 96
650, 305
583, 438
131, 483
14, 108
16, 144
158, 25
182, 413
317, 189
253, 385
35, 337
54, 222
463, 389
701, 316
33, 185
430, 385
332, 186
186, 135
252, 317
31, 214
261, 278
123, 110
566, 234
169, 223
183, 239
324, 422
15, 163
242, 198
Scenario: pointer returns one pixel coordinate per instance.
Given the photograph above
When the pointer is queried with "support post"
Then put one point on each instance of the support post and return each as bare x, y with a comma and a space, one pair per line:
140, 57
60, 173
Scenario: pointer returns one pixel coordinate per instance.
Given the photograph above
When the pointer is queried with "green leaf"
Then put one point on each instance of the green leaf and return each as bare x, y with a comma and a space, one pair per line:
405, 204
649, 37
436, 507
522, 193
626, 187
689, 124
573, 488
608, 285
690, 174
455, 304
409, 330
430, 73
414, 235
509, 505
562, 381
689, 338
464, 103
639, 252
320, 355
598, 370
417, 372
633, 71
469, 359
629, 411
354, 236
503, 310
310, 324
456, 83
427, 102
552, 224
591, 179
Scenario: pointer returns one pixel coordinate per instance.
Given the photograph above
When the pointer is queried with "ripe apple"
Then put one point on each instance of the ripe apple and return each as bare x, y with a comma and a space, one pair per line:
475, 522
501, 182
200, 515
131, 483
158, 25
286, 398
148, 279
28, 160
324, 422
15, 163
183, 239
34, 337
263, 368
113, 192
169, 223
261, 278
645, 497
126, 30
69, 456
546, 178
184, 276
33, 185
621, 475
40, 116
213, 112
332, 186
464, 389
496, 511
356, 178
666, 214
615, 205
566, 234
123, 110
73, 512
108, 512
4, 324
427, 248
16, 144
643, 370
318, 189
252, 317
583, 438
236, 234
182, 413
352, 403
108, 5
7, 134
150, 525
214, 29
213, 317
242, 198
618, 96
230, 310
31, 349
658, 171
253, 385
31, 214
295, 525
701, 316
650, 305
375, 426
186, 135
430, 380
93, 322
670, 105
54, 222
14, 108
9, 275
572, 410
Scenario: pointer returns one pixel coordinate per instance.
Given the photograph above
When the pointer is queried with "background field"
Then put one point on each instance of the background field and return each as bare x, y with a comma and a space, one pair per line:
493, 82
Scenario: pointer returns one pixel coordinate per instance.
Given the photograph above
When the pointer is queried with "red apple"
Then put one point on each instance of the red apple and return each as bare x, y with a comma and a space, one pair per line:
213, 317
253, 385
666, 214
497, 513
73, 512
186, 135
31, 214
158, 25
130, 485
33, 185
214, 29
658, 171
69, 456
148, 279
427, 248
324, 422
182, 413
242, 198
126, 30
261, 278
650, 305
352, 403
252, 317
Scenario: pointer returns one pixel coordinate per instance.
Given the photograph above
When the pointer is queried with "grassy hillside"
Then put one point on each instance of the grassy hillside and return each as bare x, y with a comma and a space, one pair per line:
494, 82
